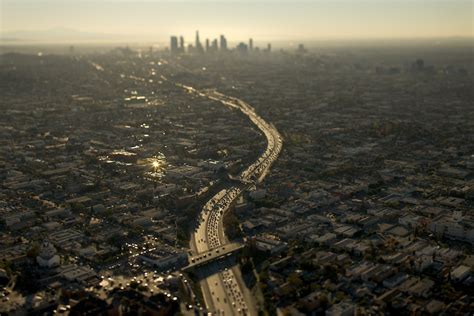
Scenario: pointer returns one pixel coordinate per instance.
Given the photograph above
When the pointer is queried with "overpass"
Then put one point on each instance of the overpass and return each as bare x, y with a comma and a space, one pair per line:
211, 255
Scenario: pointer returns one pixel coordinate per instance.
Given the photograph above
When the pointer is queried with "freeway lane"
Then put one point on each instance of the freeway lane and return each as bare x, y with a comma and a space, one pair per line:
222, 292
225, 292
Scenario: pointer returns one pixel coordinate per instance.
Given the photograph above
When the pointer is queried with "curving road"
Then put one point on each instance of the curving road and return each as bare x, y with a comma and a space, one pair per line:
223, 289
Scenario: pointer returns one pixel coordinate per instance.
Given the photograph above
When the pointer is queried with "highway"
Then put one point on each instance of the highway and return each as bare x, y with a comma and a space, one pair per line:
223, 288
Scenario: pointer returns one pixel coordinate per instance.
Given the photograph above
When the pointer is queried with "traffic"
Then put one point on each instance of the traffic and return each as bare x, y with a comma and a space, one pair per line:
225, 287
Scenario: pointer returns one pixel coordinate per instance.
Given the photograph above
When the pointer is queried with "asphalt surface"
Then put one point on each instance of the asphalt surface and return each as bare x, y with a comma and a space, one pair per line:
223, 288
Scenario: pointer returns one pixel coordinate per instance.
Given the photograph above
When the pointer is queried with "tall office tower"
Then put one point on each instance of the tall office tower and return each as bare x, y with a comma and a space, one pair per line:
198, 45
174, 45
250, 44
242, 48
223, 43
181, 44
214, 45
190, 48
269, 47
207, 45
301, 49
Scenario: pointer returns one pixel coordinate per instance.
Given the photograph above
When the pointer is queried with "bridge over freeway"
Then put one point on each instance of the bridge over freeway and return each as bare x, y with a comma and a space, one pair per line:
211, 255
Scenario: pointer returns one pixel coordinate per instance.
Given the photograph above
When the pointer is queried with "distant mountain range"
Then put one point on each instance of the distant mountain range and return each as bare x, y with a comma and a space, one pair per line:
59, 35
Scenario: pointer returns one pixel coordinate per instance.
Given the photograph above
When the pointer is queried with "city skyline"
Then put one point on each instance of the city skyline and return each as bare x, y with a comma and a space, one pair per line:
155, 21
213, 45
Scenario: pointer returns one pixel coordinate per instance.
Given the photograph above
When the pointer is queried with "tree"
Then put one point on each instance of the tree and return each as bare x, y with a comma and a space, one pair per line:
231, 224
34, 250
78, 207
295, 280
331, 272
340, 296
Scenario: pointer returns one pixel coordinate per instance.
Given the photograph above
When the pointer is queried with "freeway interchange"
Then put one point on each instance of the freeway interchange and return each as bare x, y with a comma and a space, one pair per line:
223, 289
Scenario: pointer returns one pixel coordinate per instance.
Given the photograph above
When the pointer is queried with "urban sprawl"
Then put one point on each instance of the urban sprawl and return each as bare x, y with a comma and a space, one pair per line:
206, 178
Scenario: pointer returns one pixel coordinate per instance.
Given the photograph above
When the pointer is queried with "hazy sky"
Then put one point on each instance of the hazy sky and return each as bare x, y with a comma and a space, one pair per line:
260, 19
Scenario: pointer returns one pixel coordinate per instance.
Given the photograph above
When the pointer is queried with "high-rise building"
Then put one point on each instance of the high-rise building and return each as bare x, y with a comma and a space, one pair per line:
301, 49
223, 43
250, 44
198, 45
197, 42
207, 45
242, 48
174, 45
214, 45
181, 44
269, 47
